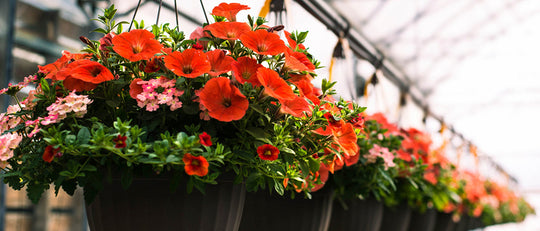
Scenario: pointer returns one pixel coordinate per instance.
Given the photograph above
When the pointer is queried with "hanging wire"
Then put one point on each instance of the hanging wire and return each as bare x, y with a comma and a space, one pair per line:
204, 12
135, 13
159, 11
176, 14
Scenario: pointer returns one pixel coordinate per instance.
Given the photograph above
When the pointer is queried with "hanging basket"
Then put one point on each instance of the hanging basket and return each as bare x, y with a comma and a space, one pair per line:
149, 204
361, 215
423, 221
462, 224
444, 222
265, 212
396, 218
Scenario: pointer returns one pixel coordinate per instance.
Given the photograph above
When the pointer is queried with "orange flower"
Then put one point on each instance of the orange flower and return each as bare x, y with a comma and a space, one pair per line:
263, 42
229, 11
296, 107
274, 85
195, 165
228, 30
298, 61
245, 70
268, 152
136, 45
223, 100
190, 63
84, 75
293, 43
50, 70
219, 62
346, 138
323, 175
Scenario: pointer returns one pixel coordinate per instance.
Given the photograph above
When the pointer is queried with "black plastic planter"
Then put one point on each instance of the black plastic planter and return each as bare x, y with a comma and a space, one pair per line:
444, 222
396, 218
265, 212
462, 224
361, 215
423, 221
149, 204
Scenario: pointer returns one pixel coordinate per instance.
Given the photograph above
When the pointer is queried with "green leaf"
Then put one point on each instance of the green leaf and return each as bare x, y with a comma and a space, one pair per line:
65, 173
314, 164
83, 136
279, 187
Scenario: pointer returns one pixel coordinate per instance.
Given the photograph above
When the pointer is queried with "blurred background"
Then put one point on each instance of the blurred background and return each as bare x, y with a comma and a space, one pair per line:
466, 65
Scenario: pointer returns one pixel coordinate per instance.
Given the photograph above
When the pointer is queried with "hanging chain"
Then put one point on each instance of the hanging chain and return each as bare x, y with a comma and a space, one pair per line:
176, 14
135, 13
204, 11
159, 11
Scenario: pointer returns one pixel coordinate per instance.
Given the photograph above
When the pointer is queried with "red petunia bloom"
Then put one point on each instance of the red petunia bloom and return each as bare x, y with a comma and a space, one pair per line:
135, 88
245, 70
136, 45
120, 141
263, 42
229, 10
50, 70
220, 62
274, 85
152, 65
298, 61
83, 75
195, 165
346, 138
190, 63
228, 30
268, 152
296, 107
293, 43
50, 153
205, 139
223, 100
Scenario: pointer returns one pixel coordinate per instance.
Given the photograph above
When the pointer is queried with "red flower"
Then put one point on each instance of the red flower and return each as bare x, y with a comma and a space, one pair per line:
50, 153
84, 75
135, 88
263, 42
268, 152
346, 138
120, 141
219, 61
205, 139
229, 11
223, 100
152, 65
50, 70
245, 70
136, 45
105, 42
293, 43
195, 165
228, 30
190, 63
298, 61
274, 85
296, 107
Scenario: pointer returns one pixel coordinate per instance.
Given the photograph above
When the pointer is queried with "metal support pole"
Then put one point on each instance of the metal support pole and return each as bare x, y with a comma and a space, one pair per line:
9, 12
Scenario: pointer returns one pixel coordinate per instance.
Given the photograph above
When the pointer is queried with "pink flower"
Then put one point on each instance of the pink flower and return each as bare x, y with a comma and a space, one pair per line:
72, 103
8, 142
386, 155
